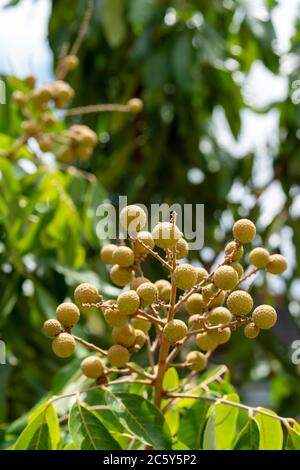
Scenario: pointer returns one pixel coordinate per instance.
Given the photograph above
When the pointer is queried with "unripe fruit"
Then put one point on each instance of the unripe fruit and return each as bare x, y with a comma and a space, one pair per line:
123, 256
208, 292
67, 314
182, 248
48, 119
174, 331
70, 62
259, 257
216, 300
148, 293
195, 322
30, 81
251, 331
52, 327
234, 251
124, 335
240, 302
194, 304
66, 154
135, 105
114, 318
141, 324
219, 315
205, 342
225, 277
147, 239
86, 293
277, 264
238, 267
196, 361
128, 302
164, 289
45, 143
133, 218
201, 274
30, 128
185, 276
137, 281
140, 338
121, 276
62, 92
92, 367
19, 98
63, 345
220, 336
84, 153
118, 356
44, 94
106, 253
264, 317
166, 235
244, 231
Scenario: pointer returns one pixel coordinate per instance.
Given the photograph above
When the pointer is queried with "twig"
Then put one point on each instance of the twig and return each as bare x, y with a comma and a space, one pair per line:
83, 28
98, 108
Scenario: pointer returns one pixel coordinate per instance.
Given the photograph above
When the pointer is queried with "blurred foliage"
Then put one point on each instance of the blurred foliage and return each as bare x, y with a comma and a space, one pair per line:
185, 60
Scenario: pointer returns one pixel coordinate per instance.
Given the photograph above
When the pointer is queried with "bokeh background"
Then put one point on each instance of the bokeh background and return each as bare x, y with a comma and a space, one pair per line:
220, 126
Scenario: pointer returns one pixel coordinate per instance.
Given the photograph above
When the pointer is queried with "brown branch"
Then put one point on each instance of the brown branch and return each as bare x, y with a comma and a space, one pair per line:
98, 108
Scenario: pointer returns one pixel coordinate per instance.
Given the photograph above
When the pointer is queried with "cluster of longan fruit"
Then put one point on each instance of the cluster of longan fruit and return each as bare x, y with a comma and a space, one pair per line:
215, 302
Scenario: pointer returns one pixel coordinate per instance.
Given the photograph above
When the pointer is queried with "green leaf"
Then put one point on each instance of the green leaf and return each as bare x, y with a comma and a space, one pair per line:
248, 438
293, 438
192, 424
88, 432
178, 445
209, 437
140, 418
172, 418
171, 379
270, 431
113, 20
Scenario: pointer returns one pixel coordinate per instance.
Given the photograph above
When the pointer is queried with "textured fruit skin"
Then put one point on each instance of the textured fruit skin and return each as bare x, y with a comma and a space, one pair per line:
240, 302
123, 256
67, 314
251, 331
166, 235
92, 367
86, 293
185, 276
208, 292
196, 361
264, 317
220, 337
121, 276
201, 274
128, 302
205, 342
244, 231
164, 289
277, 265
140, 338
259, 257
195, 322
52, 327
132, 218
225, 277
147, 239
114, 318
217, 300
118, 356
239, 268
148, 293
234, 250
30, 128
63, 345
124, 335
137, 281
194, 304
71, 62
106, 253
219, 315
141, 324
135, 105
182, 248
175, 330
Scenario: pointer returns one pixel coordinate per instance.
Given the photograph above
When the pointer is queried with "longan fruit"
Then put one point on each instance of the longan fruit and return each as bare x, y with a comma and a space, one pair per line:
216, 300
206, 342
30, 81
48, 119
244, 231
118, 356
86, 293
239, 268
63, 345
128, 302
208, 292
30, 128
133, 218
121, 276
148, 293
164, 289
52, 327
195, 360
259, 257
194, 304
92, 367
70, 62
182, 248
251, 331
166, 235
234, 250
137, 281
225, 277
219, 315
147, 239
140, 338
19, 98
62, 91
195, 322
277, 264
66, 154
220, 336
124, 335
45, 143
114, 318
264, 317
135, 105
141, 324
123, 256
106, 253
240, 303
201, 274
67, 314
184, 276
175, 330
